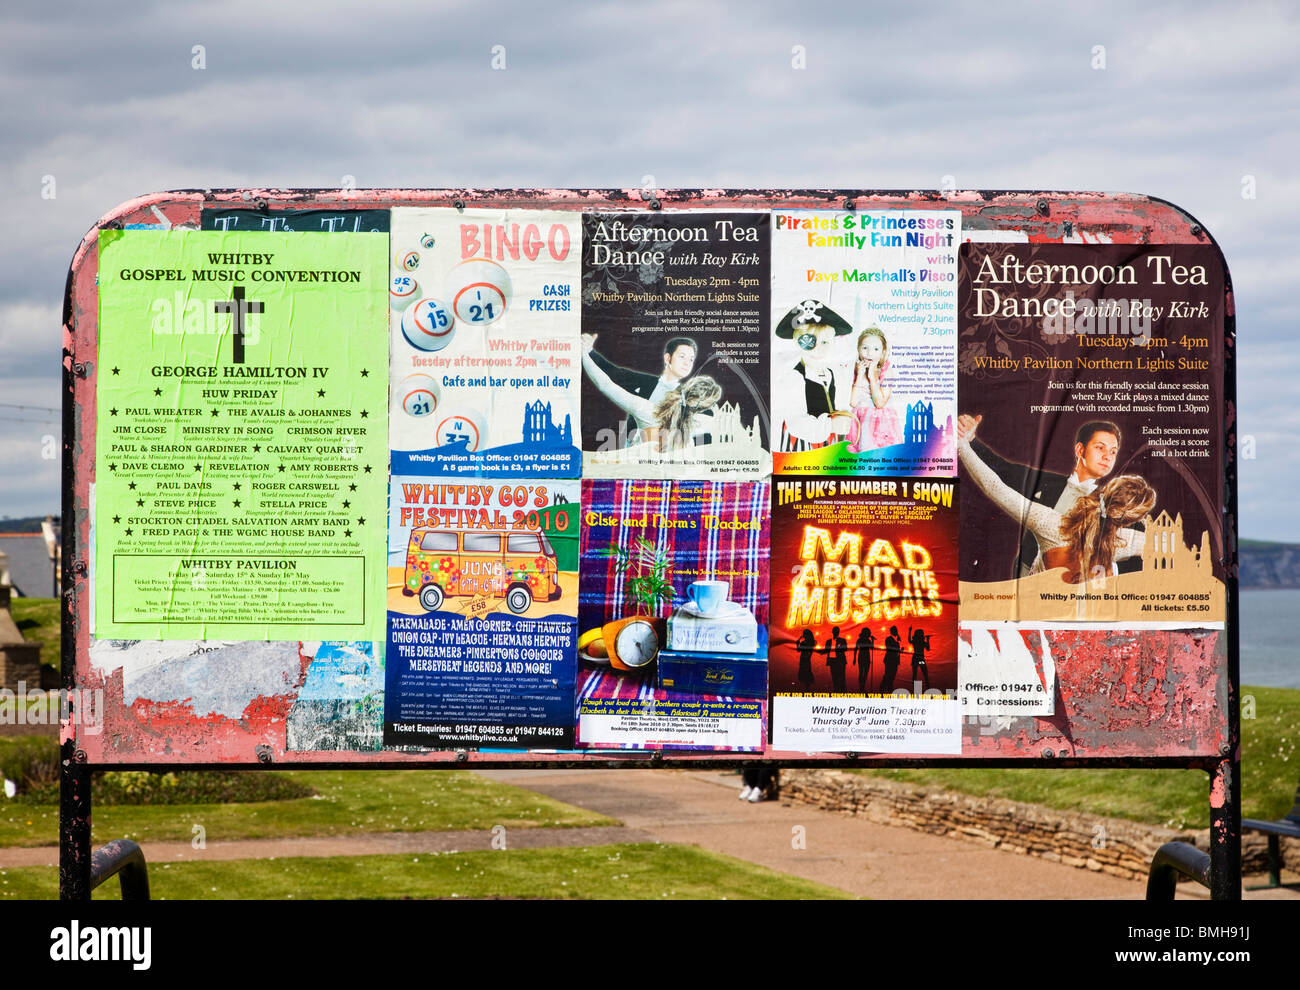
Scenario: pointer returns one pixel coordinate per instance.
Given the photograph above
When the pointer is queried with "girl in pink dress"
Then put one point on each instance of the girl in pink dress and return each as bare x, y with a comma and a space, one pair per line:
877, 424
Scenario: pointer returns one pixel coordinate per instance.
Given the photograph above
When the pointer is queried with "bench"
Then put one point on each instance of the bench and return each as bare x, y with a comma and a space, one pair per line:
1288, 826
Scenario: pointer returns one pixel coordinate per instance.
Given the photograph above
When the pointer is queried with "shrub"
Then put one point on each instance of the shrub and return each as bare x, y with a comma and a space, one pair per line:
32, 763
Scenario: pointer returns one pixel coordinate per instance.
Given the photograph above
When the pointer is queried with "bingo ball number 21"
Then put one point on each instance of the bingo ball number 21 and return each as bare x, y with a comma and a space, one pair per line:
480, 291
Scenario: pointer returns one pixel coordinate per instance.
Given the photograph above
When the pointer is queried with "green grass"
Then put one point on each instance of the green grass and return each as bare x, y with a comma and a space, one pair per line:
1169, 798
347, 802
38, 619
642, 871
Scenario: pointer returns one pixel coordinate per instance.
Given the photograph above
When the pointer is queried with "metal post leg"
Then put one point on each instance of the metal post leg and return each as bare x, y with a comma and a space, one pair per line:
1225, 831
74, 829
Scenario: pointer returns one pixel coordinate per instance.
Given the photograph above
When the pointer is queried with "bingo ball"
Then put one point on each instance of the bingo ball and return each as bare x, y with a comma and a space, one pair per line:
428, 325
419, 395
407, 261
427, 241
402, 291
479, 290
467, 430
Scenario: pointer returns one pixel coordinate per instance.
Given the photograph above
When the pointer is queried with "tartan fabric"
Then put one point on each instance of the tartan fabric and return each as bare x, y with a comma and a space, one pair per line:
694, 553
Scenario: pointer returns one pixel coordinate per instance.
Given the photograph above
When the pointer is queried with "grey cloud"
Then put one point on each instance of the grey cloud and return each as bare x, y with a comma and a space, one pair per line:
999, 95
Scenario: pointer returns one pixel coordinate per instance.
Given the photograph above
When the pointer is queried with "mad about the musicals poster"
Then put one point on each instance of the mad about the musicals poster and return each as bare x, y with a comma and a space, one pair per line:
864, 615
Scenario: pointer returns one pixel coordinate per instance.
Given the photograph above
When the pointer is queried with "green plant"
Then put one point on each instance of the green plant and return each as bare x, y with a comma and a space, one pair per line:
30, 762
649, 588
148, 787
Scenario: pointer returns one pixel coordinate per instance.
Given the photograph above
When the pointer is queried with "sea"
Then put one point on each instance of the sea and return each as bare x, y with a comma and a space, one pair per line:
1270, 637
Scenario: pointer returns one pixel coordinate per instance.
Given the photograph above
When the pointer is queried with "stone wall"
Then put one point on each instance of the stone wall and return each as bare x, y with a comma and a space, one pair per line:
1092, 842
20, 661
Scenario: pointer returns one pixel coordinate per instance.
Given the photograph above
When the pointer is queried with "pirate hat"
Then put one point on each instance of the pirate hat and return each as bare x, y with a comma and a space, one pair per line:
811, 312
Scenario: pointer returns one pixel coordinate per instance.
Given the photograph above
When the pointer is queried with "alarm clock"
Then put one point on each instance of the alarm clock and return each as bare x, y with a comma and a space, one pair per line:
461, 429
419, 395
479, 290
633, 643
428, 325
402, 291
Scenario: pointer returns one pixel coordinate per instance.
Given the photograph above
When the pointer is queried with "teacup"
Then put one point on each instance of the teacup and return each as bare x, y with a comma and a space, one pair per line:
708, 596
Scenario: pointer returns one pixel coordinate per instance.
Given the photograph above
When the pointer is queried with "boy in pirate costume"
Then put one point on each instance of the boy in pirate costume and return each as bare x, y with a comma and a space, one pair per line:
822, 415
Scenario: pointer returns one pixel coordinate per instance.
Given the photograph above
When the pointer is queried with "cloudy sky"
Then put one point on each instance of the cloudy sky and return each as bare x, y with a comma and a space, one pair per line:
103, 102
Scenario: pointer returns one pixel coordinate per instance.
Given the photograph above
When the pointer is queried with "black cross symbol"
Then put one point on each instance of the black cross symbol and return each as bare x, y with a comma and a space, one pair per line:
238, 306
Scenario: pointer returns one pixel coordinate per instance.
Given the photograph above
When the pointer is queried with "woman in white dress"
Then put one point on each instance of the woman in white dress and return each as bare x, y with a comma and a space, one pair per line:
1091, 537
675, 419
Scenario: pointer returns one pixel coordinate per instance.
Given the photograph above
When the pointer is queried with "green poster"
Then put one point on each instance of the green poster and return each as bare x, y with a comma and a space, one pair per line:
242, 446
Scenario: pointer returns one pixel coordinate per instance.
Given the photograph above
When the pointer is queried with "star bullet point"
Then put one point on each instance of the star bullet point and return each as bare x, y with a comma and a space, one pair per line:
361, 521
365, 413
139, 501
117, 519
214, 412
320, 392
116, 370
128, 531
347, 504
157, 391
281, 468
112, 467
131, 486
347, 532
112, 412
352, 487
198, 467
236, 486
235, 503
367, 469
365, 372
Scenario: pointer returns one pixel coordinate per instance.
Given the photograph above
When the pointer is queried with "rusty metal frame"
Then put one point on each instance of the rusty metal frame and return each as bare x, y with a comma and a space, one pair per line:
1043, 216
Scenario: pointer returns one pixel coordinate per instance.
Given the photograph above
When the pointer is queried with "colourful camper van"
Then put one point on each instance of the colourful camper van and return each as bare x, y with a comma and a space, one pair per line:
518, 566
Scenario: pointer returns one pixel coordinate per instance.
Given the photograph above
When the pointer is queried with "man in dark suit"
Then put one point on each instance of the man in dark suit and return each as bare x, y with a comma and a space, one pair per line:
1096, 449
678, 362
837, 659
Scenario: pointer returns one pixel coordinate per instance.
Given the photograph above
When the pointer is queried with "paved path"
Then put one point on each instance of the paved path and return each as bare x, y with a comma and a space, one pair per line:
853, 854
701, 808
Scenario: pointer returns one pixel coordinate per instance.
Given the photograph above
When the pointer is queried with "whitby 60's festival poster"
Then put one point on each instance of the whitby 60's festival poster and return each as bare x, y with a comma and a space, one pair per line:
482, 606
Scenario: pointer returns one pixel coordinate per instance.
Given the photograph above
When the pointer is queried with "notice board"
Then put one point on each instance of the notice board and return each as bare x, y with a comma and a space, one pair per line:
425, 477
